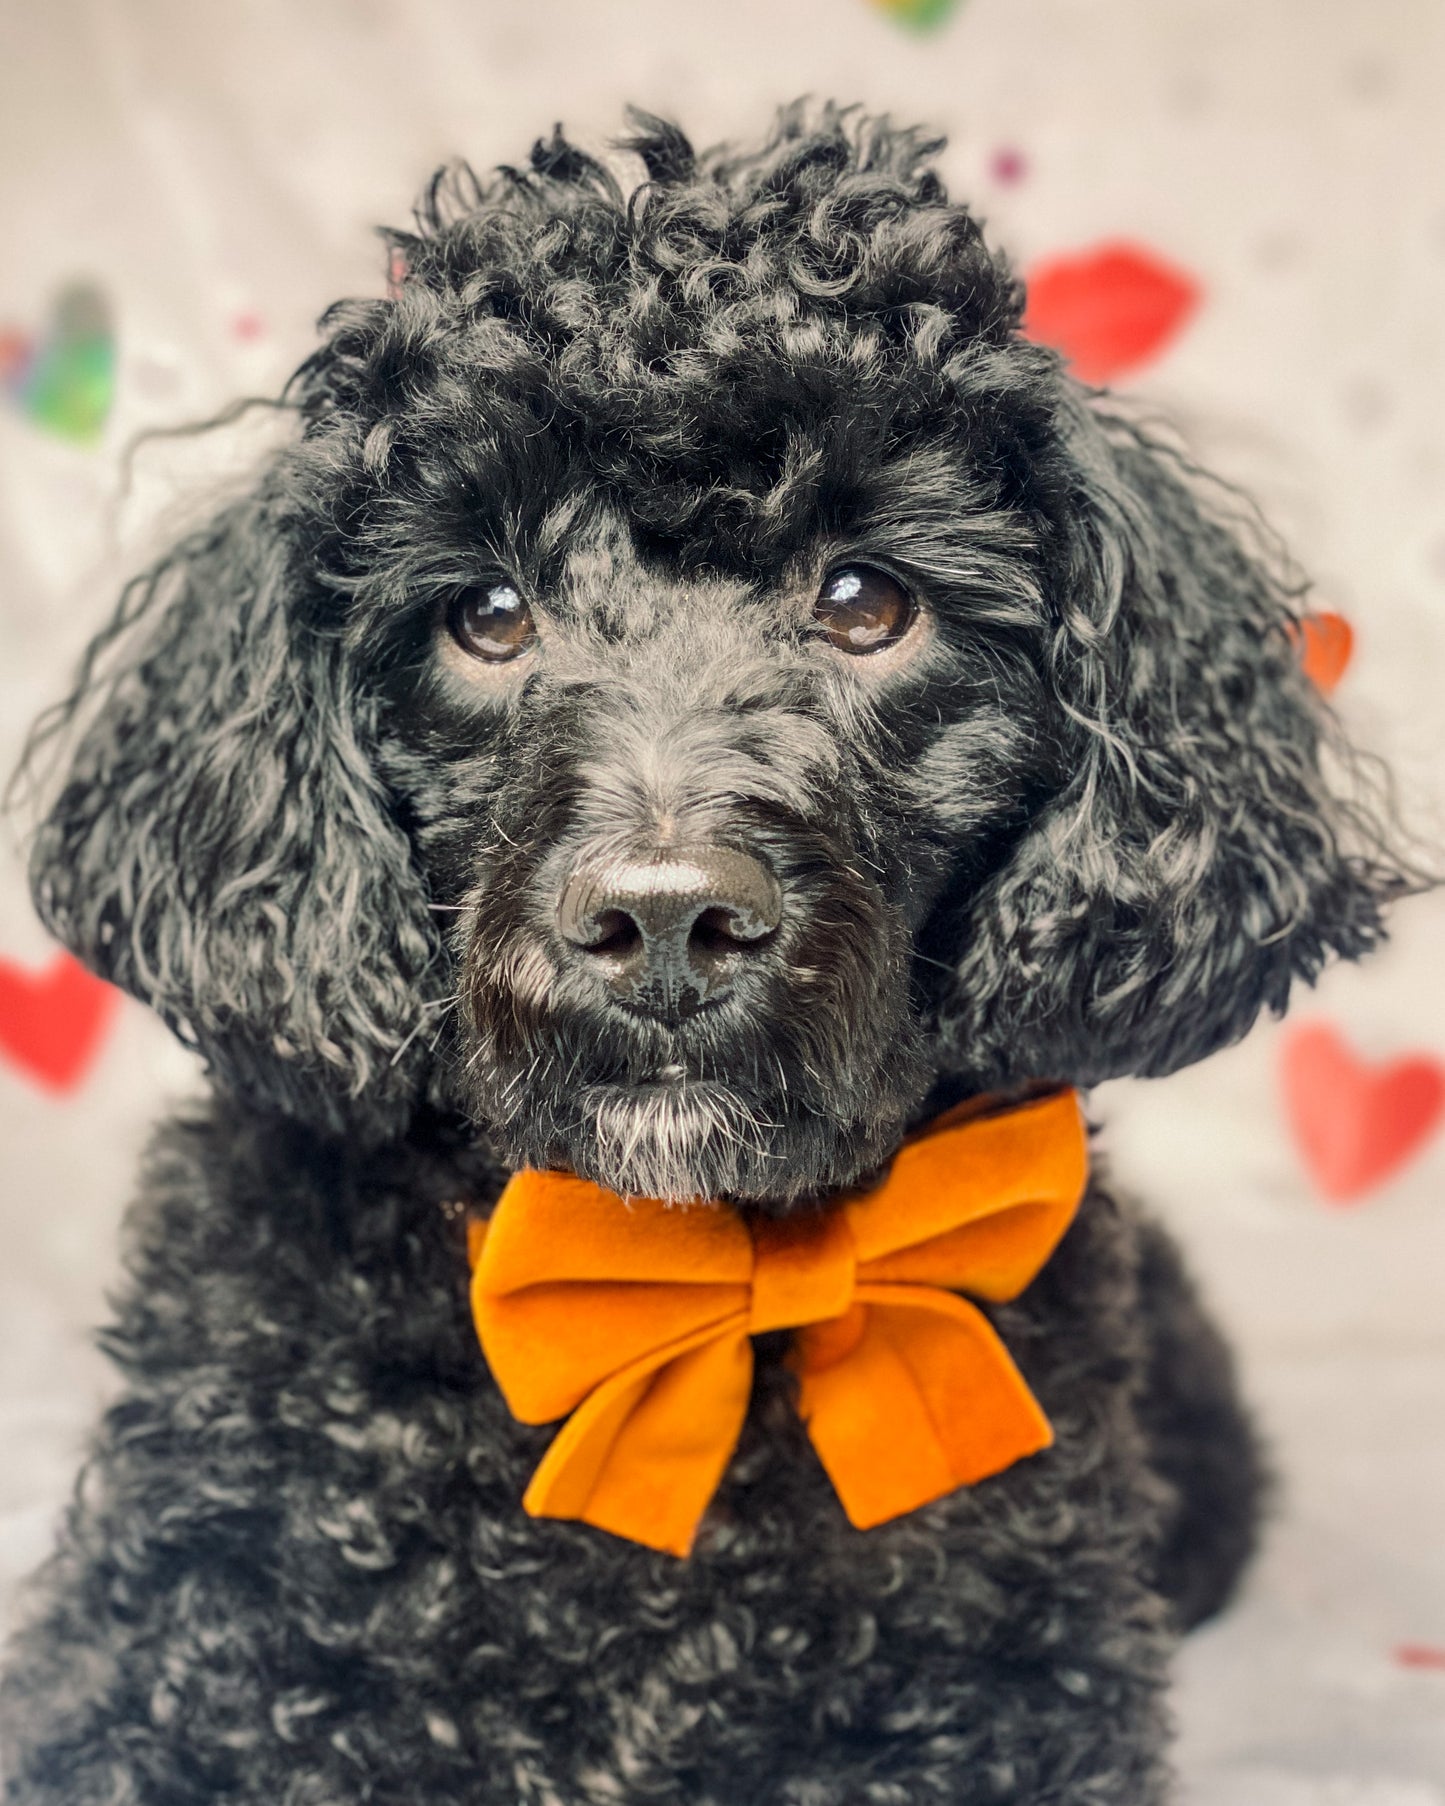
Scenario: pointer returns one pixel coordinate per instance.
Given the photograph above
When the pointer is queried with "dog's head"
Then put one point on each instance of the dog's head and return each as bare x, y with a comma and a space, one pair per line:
698, 684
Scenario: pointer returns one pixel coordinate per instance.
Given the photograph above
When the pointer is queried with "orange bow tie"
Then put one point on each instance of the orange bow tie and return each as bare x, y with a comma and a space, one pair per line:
636, 1318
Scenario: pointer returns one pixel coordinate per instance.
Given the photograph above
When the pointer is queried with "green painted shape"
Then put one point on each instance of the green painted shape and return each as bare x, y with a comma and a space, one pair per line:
70, 389
919, 15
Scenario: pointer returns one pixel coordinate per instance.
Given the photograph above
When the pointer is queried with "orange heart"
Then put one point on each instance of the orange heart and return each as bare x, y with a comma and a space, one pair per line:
1108, 310
1325, 642
1355, 1124
53, 1022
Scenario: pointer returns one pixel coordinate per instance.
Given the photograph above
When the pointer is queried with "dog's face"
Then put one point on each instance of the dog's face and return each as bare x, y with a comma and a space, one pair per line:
700, 684
690, 829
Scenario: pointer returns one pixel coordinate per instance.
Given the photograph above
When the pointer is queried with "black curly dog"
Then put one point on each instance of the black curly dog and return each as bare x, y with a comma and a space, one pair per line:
698, 694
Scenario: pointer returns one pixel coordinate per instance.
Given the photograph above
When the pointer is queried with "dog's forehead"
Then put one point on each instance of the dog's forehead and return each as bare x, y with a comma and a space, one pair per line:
731, 442
606, 584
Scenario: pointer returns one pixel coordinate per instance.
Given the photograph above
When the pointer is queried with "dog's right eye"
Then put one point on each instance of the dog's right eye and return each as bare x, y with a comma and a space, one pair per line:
491, 622
862, 609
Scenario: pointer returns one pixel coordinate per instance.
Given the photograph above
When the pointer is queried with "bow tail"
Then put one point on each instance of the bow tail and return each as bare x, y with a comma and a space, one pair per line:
921, 1398
643, 1454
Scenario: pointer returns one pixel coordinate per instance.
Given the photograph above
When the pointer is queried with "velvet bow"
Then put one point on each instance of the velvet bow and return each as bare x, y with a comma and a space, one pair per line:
636, 1318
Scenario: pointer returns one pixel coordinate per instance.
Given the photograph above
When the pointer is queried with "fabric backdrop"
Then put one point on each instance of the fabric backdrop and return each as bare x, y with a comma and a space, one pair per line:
184, 185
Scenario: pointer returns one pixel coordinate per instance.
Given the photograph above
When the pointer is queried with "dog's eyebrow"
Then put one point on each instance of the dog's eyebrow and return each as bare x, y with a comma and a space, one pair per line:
457, 530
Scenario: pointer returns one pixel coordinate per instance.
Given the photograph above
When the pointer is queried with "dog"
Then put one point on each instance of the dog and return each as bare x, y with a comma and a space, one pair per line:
698, 698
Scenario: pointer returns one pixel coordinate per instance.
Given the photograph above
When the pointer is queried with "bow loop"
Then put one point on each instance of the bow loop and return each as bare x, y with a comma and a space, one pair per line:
971, 1169
636, 1318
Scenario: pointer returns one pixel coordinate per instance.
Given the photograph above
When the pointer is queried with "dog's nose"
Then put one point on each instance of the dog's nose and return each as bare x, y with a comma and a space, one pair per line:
667, 931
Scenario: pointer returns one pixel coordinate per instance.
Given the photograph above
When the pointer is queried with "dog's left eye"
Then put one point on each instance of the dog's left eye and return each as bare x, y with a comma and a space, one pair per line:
862, 609
491, 622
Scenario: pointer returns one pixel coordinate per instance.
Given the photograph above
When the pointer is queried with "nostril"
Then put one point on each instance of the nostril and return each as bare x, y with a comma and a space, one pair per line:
612, 931
722, 930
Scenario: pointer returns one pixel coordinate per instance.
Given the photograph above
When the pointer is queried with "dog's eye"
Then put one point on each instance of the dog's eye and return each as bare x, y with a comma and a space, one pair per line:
863, 610
493, 622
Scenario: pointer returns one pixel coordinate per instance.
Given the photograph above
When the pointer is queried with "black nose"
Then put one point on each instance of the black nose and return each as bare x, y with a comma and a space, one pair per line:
668, 930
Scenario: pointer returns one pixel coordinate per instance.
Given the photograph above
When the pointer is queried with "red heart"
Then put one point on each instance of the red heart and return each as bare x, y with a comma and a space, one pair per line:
1108, 310
52, 1022
1325, 643
1355, 1124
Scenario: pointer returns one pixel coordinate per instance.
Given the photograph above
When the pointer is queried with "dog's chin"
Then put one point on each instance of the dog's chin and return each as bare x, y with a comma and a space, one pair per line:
701, 1141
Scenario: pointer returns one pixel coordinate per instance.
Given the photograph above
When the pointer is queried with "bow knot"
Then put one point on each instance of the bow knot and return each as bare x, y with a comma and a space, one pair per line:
636, 1317
804, 1271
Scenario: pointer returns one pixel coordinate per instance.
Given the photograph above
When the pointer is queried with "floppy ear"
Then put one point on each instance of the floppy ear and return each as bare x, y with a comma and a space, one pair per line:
1196, 858
223, 849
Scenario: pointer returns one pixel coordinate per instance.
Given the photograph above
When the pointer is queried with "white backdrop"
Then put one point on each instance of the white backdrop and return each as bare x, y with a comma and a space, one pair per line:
215, 170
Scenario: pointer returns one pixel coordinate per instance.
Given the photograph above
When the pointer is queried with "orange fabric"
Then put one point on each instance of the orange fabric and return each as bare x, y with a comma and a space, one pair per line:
635, 1318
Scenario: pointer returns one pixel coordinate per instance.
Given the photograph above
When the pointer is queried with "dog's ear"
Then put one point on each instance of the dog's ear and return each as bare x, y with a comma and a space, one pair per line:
222, 848
1201, 850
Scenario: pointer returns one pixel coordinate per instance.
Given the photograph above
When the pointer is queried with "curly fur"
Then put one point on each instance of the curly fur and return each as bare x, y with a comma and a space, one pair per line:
1092, 824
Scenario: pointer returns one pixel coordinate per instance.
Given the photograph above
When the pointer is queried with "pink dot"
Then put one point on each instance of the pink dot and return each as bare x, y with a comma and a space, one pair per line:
16, 350
248, 326
1008, 165
1421, 1655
